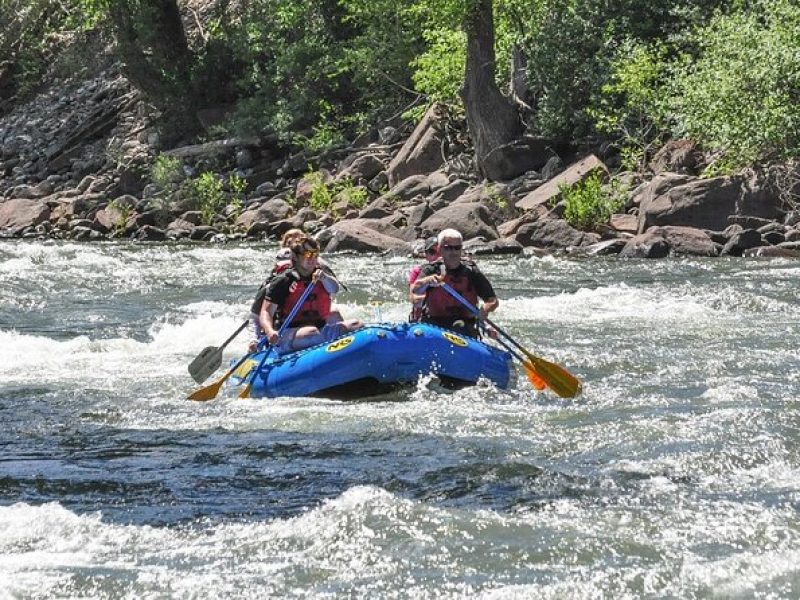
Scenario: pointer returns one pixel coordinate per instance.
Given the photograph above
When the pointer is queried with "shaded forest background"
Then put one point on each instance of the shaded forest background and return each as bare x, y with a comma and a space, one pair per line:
320, 73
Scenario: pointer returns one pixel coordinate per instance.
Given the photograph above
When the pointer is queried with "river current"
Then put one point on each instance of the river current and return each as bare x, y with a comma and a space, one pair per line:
675, 475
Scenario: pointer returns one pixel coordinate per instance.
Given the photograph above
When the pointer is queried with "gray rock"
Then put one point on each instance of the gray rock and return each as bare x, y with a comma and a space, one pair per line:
471, 219
699, 203
19, 213
645, 245
149, 233
738, 243
553, 234
687, 240
357, 235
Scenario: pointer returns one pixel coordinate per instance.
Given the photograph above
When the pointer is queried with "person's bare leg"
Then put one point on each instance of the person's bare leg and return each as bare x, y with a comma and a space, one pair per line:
306, 337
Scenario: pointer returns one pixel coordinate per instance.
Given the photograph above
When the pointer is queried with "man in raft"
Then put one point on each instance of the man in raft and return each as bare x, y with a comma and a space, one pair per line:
440, 307
316, 321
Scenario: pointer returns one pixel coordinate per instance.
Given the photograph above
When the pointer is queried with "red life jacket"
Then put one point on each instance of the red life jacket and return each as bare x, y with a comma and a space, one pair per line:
315, 309
439, 304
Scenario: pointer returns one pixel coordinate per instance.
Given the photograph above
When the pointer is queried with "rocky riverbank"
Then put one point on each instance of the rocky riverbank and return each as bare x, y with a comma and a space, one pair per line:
77, 163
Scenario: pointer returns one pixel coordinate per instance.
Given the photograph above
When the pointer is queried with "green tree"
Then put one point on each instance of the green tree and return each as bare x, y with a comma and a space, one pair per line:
157, 59
315, 66
740, 94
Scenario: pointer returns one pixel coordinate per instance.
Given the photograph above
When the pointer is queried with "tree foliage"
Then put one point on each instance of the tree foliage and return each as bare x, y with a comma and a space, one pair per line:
730, 84
319, 72
740, 94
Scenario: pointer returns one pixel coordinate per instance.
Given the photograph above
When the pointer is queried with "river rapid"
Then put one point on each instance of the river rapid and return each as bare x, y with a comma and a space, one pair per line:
675, 475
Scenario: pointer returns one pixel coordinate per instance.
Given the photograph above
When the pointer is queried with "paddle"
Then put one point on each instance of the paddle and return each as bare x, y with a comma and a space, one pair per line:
556, 377
536, 381
210, 358
210, 392
245, 393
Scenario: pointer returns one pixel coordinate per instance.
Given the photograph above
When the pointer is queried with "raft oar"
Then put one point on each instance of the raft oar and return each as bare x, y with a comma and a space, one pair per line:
210, 358
210, 392
557, 378
536, 381
245, 393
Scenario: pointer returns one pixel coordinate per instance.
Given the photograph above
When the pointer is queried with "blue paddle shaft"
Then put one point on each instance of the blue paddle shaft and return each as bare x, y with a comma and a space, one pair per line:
284, 326
461, 299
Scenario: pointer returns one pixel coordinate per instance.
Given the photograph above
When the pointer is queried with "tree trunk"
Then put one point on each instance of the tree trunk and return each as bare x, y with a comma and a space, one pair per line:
157, 59
491, 117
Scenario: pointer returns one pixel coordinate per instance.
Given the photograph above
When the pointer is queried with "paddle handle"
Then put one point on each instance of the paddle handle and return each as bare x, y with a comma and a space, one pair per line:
467, 304
477, 313
235, 333
295, 309
449, 289
238, 364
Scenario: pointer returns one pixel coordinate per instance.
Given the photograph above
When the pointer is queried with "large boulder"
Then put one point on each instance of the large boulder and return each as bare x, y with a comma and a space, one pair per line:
21, 213
624, 223
471, 219
553, 234
509, 228
422, 151
742, 241
359, 236
550, 192
450, 192
677, 156
699, 203
362, 166
762, 194
496, 197
269, 212
650, 244
687, 240
410, 187
515, 158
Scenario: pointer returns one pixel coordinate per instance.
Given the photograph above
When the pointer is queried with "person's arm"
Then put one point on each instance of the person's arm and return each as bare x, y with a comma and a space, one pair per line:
489, 305
485, 292
421, 284
328, 279
266, 320
276, 294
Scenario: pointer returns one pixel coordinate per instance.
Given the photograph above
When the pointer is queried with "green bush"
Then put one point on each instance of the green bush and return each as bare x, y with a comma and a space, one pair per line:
324, 195
207, 194
166, 170
739, 97
354, 195
236, 186
588, 203
124, 212
326, 135
321, 66
439, 71
571, 44
321, 197
631, 106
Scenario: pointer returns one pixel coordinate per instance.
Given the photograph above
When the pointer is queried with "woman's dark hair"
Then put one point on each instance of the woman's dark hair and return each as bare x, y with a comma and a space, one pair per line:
305, 244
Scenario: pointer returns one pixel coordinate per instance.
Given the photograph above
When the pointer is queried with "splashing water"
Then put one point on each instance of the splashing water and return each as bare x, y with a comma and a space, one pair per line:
676, 474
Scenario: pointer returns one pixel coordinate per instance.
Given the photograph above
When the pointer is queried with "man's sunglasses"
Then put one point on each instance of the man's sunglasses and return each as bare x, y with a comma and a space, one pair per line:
309, 253
450, 247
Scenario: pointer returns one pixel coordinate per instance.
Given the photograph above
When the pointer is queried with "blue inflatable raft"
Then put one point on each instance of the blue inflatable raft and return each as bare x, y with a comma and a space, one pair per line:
375, 359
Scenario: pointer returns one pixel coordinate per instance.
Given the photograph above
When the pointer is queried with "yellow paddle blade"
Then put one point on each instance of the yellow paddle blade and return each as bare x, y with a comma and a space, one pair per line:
209, 392
557, 378
245, 393
536, 381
